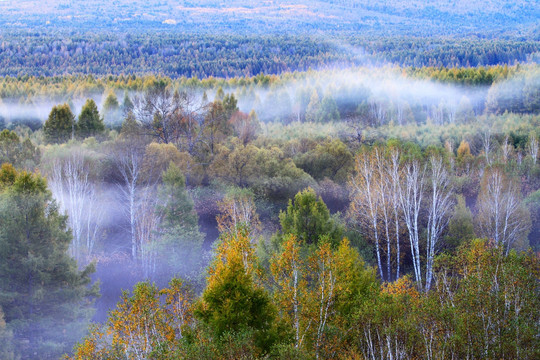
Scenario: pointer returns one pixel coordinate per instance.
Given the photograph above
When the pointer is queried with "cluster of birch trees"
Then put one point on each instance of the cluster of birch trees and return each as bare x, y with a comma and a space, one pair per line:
404, 201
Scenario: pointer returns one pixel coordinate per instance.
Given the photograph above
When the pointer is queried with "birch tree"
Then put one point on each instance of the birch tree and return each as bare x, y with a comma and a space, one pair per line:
501, 215
147, 222
506, 149
365, 202
486, 144
440, 206
289, 272
394, 175
411, 193
72, 186
384, 190
238, 209
532, 148
128, 158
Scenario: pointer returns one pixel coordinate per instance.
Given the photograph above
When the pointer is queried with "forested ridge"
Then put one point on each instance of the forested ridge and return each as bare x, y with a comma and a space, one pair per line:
43, 53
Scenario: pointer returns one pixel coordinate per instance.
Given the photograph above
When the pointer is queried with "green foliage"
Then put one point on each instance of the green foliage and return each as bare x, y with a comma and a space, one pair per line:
111, 110
309, 219
495, 302
60, 125
45, 298
90, 123
233, 302
266, 170
331, 159
20, 154
460, 226
180, 240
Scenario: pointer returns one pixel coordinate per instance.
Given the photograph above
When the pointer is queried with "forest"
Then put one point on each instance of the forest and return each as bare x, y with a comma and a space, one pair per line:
283, 179
354, 213
44, 53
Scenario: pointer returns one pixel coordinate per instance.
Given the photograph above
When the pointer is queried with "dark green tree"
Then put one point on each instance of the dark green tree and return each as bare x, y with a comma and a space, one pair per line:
230, 106
111, 110
46, 299
181, 240
20, 154
309, 219
127, 104
60, 125
460, 226
331, 159
90, 123
328, 110
233, 302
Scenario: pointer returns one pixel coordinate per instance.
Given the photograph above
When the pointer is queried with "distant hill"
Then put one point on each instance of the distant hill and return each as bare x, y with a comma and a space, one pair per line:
489, 18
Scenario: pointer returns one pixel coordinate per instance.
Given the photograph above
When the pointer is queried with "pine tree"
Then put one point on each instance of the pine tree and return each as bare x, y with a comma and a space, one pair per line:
111, 109
460, 227
181, 240
90, 123
60, 125
45, 298
233, 303
309, 219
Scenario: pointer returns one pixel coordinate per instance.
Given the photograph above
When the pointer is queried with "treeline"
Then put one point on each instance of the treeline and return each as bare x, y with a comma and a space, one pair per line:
364, 97
473, 52
172, 54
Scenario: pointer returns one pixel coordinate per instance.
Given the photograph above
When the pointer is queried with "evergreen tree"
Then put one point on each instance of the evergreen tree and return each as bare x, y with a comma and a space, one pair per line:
127, 104
460, 226
45, 298
90, 123
111, 109
21, 155
309, 219
232, 302
60, 125
181, 240
230, 106
329, 110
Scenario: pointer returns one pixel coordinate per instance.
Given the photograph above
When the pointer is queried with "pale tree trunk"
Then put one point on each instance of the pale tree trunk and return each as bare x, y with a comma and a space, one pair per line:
70, 185
147, 223
366, 202
394, 176
500, 216
532, 148
439, 209
327, 280
385, 197
486, 143
506, 149
411, 193
129, 161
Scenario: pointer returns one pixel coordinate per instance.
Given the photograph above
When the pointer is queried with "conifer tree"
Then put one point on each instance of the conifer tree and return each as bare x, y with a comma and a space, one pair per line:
181, 240
233, 302
60, 125
45, 298
90, 123
309, 219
